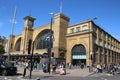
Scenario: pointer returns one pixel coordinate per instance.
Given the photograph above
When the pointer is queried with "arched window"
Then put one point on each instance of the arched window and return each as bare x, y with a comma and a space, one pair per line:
44, 41
78, 50
17, 48
78, 55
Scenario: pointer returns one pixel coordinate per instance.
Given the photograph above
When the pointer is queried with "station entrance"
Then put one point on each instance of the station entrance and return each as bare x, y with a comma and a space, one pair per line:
78, 55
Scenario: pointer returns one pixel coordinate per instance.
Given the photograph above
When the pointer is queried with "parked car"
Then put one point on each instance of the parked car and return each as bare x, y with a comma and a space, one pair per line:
7, 68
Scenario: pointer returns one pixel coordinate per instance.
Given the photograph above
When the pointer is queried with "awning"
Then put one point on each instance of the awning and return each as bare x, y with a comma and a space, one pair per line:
79, 57
6, 54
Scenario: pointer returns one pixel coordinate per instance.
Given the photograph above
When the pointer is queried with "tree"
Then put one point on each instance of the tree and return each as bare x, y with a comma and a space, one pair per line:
2, 50
3, 41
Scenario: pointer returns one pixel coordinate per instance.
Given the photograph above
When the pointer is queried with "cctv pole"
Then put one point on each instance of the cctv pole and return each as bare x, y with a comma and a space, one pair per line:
13, 24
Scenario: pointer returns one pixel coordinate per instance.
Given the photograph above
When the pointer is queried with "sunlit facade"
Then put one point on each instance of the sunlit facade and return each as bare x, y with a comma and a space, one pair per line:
84, 43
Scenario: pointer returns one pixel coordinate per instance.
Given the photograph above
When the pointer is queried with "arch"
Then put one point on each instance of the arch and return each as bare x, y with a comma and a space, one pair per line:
18, 44
78, 54
41, 41
78, 50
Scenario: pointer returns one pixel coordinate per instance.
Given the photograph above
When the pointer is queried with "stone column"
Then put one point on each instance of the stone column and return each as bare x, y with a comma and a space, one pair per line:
98, 56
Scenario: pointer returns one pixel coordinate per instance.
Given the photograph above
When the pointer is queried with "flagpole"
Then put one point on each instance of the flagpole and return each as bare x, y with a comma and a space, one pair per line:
61, 7
13, 24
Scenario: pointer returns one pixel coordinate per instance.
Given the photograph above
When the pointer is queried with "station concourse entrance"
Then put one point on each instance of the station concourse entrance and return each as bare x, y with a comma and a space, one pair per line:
78, 55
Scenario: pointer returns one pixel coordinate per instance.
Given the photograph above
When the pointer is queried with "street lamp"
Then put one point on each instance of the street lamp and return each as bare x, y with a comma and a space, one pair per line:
31, 56
50, 43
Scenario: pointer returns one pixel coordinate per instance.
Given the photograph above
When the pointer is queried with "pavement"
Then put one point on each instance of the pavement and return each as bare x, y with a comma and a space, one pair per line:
38, 74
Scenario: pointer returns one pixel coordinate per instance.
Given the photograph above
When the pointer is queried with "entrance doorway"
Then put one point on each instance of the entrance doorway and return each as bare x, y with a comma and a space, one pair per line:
77, 62
78, 55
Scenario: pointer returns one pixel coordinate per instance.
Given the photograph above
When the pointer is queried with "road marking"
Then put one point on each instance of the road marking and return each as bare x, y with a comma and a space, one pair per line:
103, 78
5, 78
109, 74
19, 77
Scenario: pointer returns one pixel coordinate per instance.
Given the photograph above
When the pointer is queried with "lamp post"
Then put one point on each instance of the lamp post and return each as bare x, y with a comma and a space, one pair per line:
50, 43
31, 61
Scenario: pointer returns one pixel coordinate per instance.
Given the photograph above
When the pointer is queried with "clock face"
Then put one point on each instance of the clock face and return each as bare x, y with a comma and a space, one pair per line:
30, 23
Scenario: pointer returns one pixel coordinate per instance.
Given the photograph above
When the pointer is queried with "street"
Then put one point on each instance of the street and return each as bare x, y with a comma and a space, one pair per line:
91, 77
73, 74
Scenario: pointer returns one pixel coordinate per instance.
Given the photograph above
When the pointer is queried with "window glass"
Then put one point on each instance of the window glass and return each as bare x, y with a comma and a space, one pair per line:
109, 46
77, 29
100, 33
18, 44
94, 29
85, 27
44, 41
100, 42
72, 30
104, 36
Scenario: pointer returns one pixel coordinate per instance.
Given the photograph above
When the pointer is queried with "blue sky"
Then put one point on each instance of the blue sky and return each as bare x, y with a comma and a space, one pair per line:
107, 12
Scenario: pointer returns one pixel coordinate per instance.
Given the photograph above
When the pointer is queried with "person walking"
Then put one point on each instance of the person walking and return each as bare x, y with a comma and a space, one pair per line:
69, 65
99, 68
35, 65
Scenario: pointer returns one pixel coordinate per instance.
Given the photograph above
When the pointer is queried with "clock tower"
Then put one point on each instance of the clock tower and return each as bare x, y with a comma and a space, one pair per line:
29, 22
27, 32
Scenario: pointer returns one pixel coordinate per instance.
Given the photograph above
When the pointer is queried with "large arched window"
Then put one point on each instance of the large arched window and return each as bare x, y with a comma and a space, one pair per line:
44, 41
17, 48
78, 50
78, 55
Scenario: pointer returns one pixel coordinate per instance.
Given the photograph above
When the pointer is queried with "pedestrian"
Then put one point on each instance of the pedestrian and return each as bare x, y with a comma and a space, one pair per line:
54, 67
82, 65
26, 64
35, 65
44, 67
99, 68
24, 72
61, 70
69, 65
